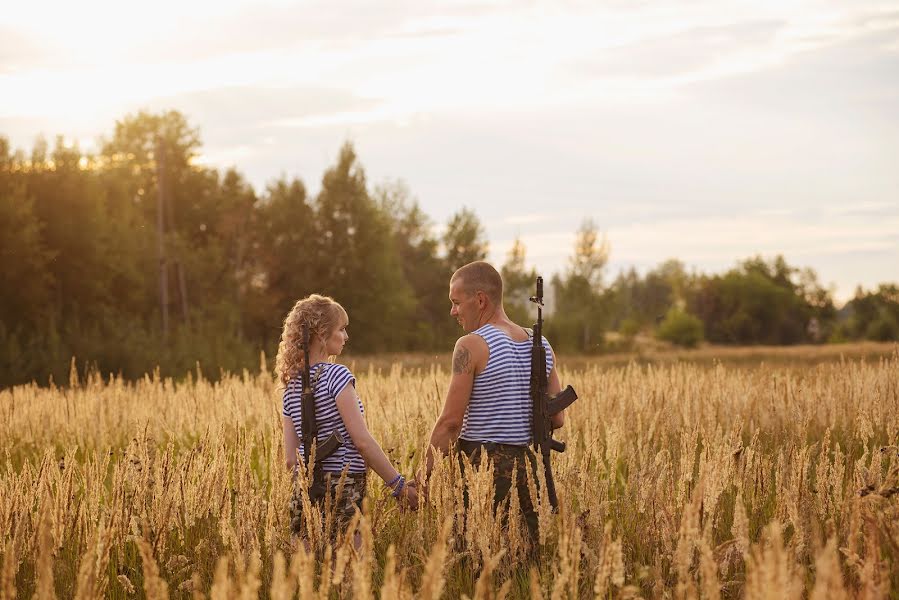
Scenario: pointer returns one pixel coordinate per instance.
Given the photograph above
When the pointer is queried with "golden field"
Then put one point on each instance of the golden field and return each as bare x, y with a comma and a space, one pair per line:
741, 479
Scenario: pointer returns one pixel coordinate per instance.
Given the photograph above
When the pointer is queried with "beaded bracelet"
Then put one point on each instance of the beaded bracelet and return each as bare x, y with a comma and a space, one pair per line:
394, 480
399, 487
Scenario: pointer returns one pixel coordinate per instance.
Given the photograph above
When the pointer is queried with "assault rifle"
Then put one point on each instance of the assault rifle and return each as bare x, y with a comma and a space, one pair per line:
310, 425
544, 405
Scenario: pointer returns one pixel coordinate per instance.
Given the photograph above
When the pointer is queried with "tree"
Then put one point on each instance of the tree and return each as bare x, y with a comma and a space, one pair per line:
464, 239
354, 263
872, 315
284, 241
217, 241
76, 226
150, 158
429, 326
591, 254
518, 284
760, 303
579, 316
25, 278
641, 302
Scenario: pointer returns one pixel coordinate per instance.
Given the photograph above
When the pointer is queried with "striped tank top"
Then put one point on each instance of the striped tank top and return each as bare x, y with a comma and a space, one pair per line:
499, 409
332, 379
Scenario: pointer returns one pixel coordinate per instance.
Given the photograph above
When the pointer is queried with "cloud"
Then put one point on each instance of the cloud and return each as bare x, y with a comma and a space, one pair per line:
529, 219
714, 243
19, 51
227, 155
854, 67
865, 208
412, 57
681, 52
82, 34
272, 102
253, 114
706, 239
670, 115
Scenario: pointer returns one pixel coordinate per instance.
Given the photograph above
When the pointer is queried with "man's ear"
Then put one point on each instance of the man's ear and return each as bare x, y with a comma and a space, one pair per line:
482, 299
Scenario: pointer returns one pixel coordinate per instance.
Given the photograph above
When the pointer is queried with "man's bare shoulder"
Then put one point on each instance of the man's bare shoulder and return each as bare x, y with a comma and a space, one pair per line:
470, 354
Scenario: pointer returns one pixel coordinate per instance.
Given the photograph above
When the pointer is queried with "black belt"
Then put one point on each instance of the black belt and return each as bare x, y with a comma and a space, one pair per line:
469, 446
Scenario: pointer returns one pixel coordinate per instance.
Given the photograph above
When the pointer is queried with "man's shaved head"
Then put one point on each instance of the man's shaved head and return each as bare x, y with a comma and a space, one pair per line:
480, 276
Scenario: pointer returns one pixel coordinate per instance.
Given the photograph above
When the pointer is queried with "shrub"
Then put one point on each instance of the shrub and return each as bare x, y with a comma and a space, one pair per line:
884, 329
629, 327
680, 328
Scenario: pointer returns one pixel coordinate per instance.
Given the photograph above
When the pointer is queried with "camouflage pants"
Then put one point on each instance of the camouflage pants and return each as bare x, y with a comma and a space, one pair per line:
508, 466
324, 491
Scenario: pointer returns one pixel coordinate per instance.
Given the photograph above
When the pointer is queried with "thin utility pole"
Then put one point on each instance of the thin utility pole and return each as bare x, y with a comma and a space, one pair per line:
160, 238
182, 289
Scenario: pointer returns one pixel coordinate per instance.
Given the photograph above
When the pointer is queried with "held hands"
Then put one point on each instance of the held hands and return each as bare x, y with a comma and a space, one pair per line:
406, 493
409, 496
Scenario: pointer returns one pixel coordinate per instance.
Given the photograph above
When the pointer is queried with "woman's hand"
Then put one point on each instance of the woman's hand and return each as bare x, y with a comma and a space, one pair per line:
409, 495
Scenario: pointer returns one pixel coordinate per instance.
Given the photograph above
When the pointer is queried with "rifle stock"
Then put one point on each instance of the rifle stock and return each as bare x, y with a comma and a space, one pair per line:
561, 401
329, 446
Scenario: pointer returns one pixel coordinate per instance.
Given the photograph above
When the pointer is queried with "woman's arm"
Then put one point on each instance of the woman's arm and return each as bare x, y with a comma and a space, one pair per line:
348, 407
291, 442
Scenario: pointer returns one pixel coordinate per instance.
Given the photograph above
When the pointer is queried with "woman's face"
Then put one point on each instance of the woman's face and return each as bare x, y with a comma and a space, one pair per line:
334, 342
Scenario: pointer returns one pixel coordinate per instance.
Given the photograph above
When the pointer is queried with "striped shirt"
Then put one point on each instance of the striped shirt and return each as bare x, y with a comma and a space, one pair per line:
499, 409
331, 381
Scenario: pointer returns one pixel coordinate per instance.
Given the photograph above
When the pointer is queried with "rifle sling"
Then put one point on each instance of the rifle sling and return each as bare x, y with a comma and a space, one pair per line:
310, 418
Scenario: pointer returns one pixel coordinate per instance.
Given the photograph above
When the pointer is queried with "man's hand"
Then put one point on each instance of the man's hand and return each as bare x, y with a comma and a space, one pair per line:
423, 478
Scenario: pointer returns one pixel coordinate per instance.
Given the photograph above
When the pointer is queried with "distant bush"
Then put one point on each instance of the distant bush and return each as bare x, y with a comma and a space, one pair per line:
872, 315
838, 336
680, 328
629, 327
883, 329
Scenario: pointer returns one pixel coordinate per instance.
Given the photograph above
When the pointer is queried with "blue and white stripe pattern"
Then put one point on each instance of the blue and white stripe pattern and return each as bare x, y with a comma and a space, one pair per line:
499, 409
331, 381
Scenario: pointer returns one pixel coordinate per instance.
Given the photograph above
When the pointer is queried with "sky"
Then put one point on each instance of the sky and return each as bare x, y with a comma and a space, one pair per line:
707, 131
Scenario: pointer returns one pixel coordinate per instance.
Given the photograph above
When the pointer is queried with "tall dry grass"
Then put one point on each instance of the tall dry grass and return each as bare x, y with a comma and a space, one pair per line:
680, 481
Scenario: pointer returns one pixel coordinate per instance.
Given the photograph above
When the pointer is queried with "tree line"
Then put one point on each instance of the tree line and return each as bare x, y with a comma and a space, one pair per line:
137, 256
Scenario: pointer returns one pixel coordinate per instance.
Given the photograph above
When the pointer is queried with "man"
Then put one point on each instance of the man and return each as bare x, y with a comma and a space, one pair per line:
488, 407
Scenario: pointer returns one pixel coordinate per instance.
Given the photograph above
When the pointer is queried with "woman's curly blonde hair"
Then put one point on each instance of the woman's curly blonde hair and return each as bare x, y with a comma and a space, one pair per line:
322, 314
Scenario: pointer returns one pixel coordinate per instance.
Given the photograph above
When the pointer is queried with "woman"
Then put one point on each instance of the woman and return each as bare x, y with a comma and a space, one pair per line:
337, 409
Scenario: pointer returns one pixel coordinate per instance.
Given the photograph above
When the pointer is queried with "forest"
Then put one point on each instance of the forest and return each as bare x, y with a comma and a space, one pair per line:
138, 256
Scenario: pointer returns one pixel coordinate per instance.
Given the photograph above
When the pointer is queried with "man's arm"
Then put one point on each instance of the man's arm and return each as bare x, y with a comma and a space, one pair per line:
466, 359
